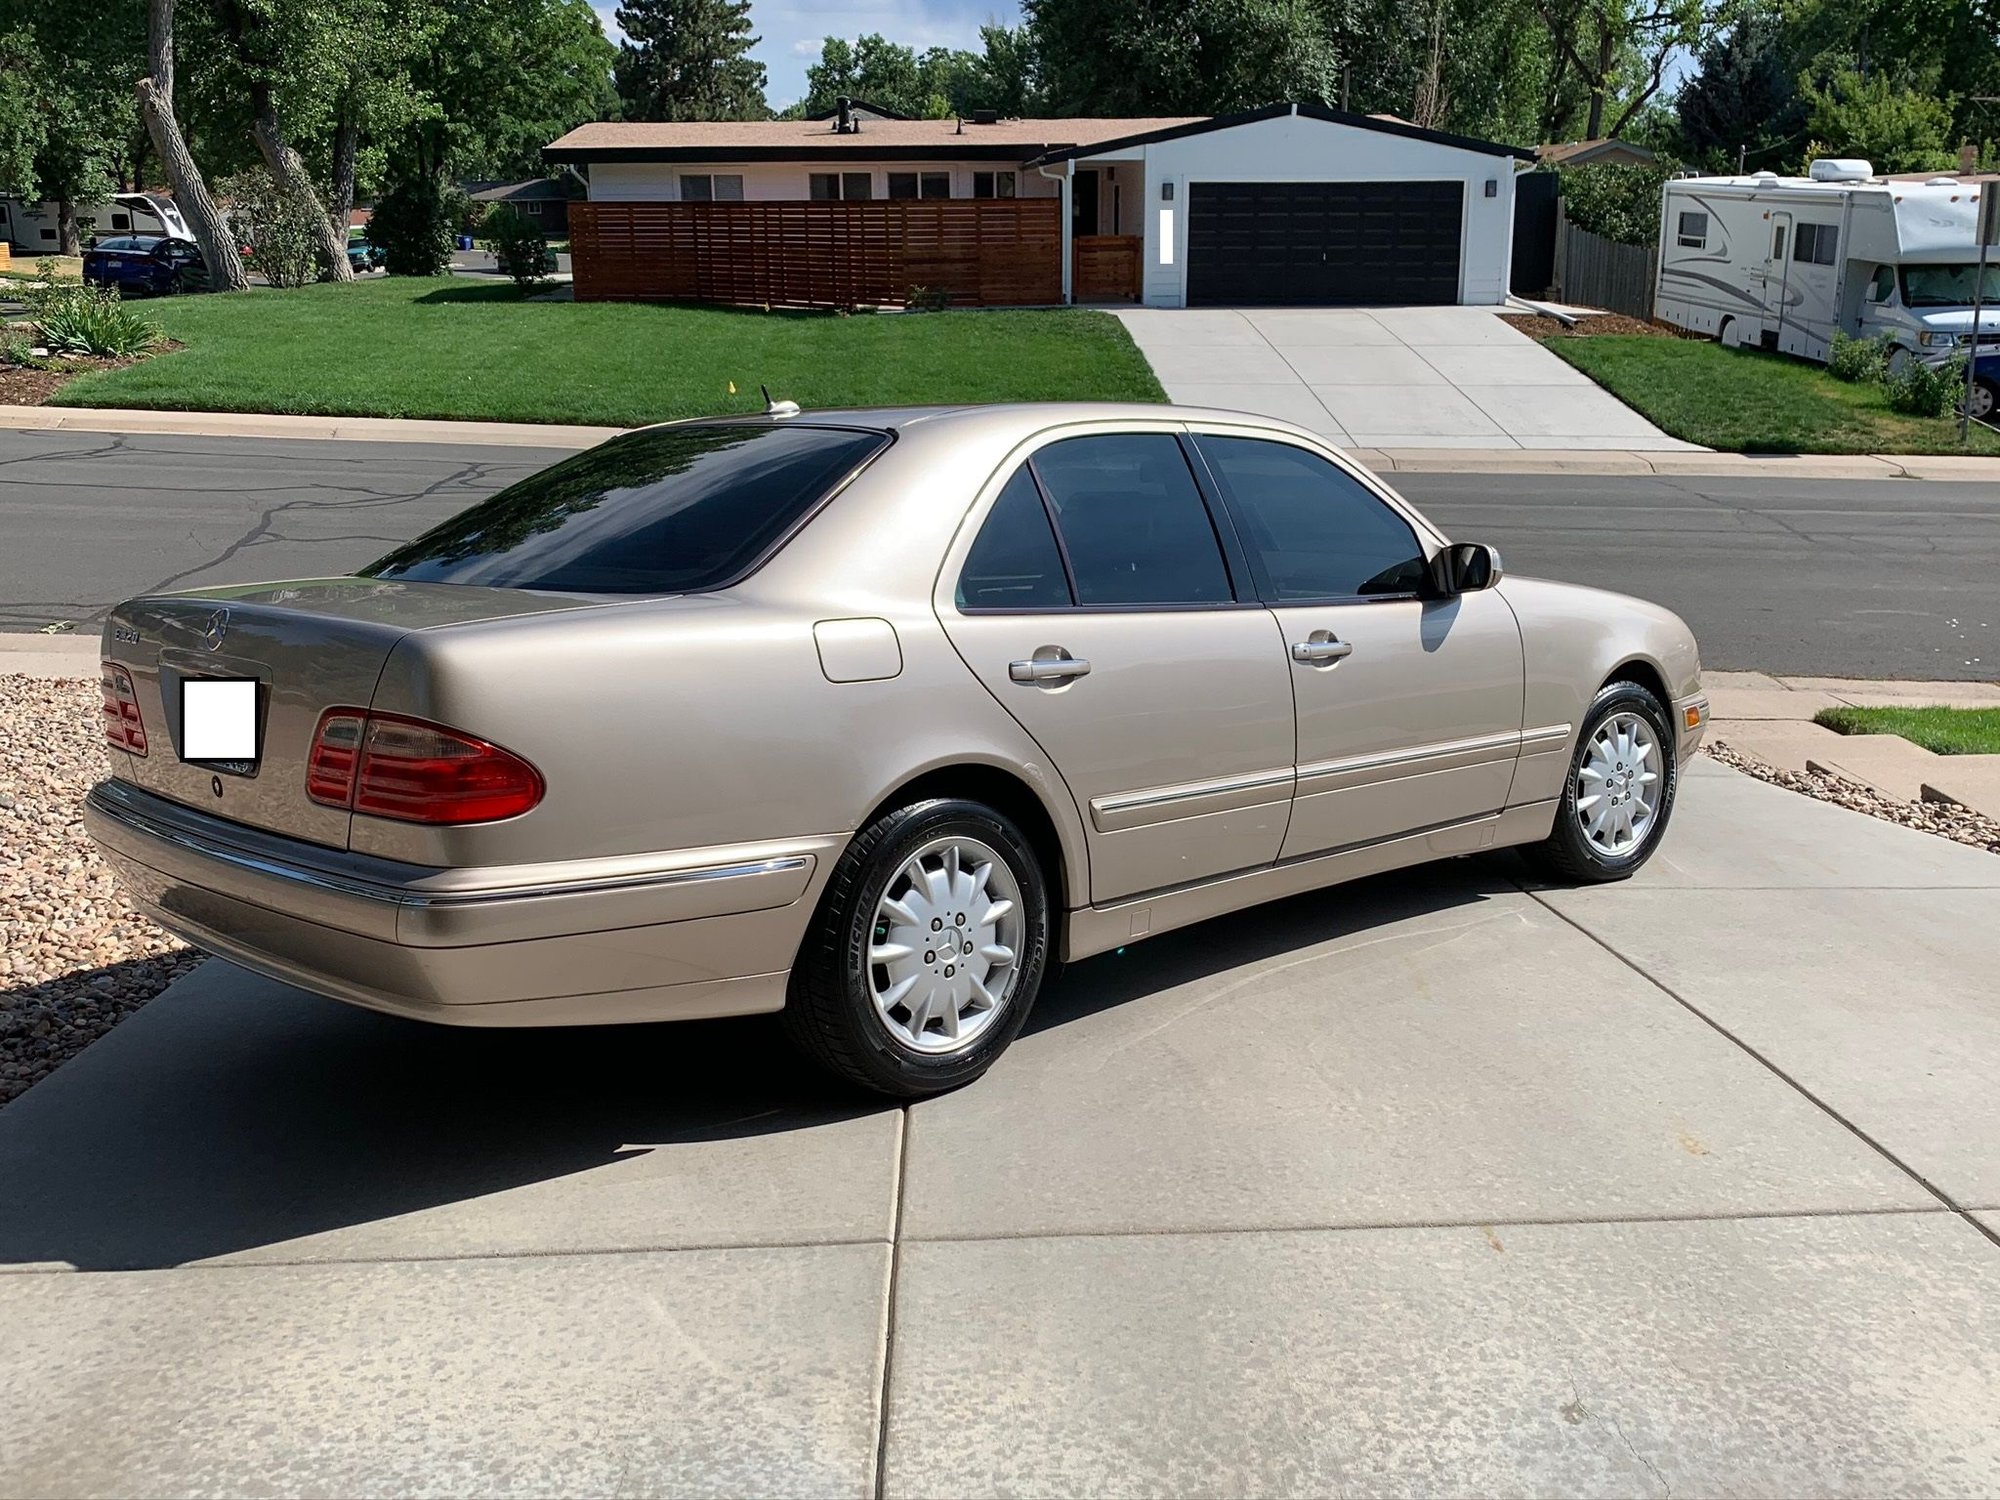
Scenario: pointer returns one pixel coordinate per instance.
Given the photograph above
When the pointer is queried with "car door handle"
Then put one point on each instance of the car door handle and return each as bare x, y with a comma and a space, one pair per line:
1321, 646
1048, 669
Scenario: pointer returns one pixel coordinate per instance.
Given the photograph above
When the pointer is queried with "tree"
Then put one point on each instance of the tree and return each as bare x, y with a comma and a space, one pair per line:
70, 110
1745, 98
283, 233
1897, 128
689, 60
156, 106
1620, 49
873, 68
1168, 57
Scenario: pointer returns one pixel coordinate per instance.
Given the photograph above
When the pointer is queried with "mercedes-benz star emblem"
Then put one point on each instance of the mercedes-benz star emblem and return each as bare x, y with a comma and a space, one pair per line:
218, 627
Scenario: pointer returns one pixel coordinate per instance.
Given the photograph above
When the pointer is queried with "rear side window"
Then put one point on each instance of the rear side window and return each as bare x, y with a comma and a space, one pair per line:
1815, 244
1692, 232
1314, 531
667, 510
1015, 563
1136, 529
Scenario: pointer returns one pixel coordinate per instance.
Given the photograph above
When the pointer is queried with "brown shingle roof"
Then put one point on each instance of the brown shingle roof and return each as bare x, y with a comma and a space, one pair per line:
813, 137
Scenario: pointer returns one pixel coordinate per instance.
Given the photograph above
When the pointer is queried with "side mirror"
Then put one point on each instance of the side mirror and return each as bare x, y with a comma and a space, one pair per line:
1463, 568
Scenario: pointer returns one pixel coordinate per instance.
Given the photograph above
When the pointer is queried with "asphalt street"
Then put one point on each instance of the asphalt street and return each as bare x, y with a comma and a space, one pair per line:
1855, 578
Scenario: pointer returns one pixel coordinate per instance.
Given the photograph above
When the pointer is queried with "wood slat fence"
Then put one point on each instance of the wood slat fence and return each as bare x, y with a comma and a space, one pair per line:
1592, 271
1107, 267
1003, 252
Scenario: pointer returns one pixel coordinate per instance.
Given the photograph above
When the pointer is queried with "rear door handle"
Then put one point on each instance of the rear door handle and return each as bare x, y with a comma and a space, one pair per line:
1048, 669
1321, 646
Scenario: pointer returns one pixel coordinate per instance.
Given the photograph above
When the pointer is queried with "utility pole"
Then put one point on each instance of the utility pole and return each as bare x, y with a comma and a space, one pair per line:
1989, 232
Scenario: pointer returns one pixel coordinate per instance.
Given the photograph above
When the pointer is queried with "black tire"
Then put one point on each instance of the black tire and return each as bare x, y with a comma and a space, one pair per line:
830, 1011
1569, 856
1984, 394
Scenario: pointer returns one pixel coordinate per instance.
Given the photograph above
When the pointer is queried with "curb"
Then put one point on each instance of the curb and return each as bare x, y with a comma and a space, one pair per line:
1386, 460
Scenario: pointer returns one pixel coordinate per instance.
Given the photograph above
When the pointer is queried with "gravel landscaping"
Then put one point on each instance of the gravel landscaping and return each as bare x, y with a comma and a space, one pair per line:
75, 959
1945, 819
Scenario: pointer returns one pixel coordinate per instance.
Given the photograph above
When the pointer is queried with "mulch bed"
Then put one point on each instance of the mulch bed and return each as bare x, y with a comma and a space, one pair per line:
20, 386
1536, 326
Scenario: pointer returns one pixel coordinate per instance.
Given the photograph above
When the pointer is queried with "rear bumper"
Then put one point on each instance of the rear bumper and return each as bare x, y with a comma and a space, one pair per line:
702, 932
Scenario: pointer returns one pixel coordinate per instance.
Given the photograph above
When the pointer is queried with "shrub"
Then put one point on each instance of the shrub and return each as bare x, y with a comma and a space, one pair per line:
280, 230
415, 223
72, 318
927, 298
1619, 202
1921, 390
1861, 361
518, 244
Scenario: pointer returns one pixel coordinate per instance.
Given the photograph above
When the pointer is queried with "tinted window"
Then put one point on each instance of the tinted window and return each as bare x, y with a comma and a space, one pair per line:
1815, 244
1693, 231
1312, 528
670, 510
1134, 523
1015, 564
117, 244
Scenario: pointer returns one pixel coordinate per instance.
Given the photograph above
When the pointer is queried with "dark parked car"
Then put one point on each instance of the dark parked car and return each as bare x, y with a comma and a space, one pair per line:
1985, 386
152, 263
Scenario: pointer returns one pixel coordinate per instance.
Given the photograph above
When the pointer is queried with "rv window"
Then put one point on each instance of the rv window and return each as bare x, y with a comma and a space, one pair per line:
121, 221
1778, 243
1883, 287
1814, 244
1694, 231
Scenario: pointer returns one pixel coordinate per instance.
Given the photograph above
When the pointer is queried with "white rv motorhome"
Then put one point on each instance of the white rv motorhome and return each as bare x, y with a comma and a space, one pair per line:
30, 227
1782, 262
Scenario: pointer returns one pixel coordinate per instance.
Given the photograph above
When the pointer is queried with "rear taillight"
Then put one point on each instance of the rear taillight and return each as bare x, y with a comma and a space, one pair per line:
122, 725
389, 766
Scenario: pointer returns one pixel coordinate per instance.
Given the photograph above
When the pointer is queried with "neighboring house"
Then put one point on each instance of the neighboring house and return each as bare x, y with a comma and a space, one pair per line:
1610, 152
543, 199
1287, 205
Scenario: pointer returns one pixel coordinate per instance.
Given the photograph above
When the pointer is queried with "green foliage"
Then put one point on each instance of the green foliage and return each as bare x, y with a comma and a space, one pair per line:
927, 298
927, 86
1745, 98
1859, 361
280, 231
1943, 731
1921, 390
415, 223
518, 244
1118, 57
70, 317
1621, 203
689, 60
1882, 120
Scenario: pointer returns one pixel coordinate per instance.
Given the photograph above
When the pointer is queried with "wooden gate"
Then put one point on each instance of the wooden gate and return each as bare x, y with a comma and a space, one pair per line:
1107, 267
984, 252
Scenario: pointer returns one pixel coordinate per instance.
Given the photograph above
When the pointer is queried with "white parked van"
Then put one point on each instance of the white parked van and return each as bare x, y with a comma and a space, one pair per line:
30, 227
1782, 262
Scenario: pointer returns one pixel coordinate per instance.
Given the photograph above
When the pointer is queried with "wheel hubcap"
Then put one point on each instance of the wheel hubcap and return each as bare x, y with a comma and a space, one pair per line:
942, 955
1618, 785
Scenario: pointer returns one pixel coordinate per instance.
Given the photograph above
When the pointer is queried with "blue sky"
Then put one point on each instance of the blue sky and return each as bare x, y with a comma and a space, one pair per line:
791, 30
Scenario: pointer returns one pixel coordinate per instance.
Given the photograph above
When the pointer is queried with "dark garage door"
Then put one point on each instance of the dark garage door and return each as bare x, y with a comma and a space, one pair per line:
1323, 244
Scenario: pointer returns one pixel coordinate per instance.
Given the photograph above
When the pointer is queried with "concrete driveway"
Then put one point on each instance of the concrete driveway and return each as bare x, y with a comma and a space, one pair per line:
1435, 1184
1388, 377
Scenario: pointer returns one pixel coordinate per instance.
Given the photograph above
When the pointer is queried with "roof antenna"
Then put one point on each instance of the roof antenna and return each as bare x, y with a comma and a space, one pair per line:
778, 408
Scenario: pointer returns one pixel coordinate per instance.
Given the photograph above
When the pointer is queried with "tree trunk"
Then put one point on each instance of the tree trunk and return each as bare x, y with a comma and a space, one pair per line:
289, 169
346, 137
218, 245
68, 241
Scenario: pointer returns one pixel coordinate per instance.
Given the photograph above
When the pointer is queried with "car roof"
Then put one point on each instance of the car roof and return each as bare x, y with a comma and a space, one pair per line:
1026, 416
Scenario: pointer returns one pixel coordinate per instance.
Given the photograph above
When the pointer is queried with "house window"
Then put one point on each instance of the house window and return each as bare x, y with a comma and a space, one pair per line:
532, 207
706, 187
920, 184
828, 187
1693, 232
993, 184
1813, 244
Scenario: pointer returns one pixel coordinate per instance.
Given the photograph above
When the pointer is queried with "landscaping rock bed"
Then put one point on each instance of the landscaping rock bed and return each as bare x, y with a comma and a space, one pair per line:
75, 958
1945, 819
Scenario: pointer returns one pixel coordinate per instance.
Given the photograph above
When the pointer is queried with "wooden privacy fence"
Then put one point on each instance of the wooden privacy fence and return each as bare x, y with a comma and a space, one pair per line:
1107, 267
981, 252
1592, 271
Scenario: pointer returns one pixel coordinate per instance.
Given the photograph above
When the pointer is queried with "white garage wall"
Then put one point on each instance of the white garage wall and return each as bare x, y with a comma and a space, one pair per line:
659, 182
1298, 148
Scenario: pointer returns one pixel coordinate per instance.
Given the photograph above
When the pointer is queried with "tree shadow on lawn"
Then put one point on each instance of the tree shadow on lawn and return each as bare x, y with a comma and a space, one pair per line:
235, 1113
507, 292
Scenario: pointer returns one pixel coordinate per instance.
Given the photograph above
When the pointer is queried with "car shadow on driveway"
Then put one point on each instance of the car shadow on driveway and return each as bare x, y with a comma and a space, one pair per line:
236, 1117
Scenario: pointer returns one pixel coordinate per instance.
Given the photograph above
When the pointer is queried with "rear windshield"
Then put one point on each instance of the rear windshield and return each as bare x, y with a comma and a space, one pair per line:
665, 511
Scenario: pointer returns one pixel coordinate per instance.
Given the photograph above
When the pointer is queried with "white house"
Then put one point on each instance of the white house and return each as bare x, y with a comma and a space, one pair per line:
1290, 205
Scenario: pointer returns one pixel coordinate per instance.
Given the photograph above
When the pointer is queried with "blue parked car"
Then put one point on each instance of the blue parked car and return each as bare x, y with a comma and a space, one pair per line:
1985, 386
364, 257
145, 263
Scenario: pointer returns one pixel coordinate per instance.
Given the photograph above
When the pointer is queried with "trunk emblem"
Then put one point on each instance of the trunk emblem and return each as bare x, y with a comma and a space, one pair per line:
218, 627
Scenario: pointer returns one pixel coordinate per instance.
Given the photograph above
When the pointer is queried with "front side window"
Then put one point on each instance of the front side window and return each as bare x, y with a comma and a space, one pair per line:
665, 510
1132, 521
1814, 244
1015, 563
1693, 232
1313, 530
1883, 287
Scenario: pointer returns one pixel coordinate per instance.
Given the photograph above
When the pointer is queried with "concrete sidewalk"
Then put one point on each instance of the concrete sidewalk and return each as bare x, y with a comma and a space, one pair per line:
1416, 458
1439, 1183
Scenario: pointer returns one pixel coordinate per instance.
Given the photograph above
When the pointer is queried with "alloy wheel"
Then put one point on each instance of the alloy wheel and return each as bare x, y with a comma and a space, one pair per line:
1618, 785
943, 951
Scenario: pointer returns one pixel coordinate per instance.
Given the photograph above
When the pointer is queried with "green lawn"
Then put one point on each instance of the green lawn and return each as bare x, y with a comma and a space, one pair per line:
1948, 731
453, 348
1750, 402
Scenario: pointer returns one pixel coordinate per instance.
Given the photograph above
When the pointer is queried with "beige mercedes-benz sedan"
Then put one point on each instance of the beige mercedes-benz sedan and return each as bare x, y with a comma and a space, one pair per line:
869, 717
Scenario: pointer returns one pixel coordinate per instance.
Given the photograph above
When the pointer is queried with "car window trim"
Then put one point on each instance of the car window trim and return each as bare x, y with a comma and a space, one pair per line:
1267, 594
